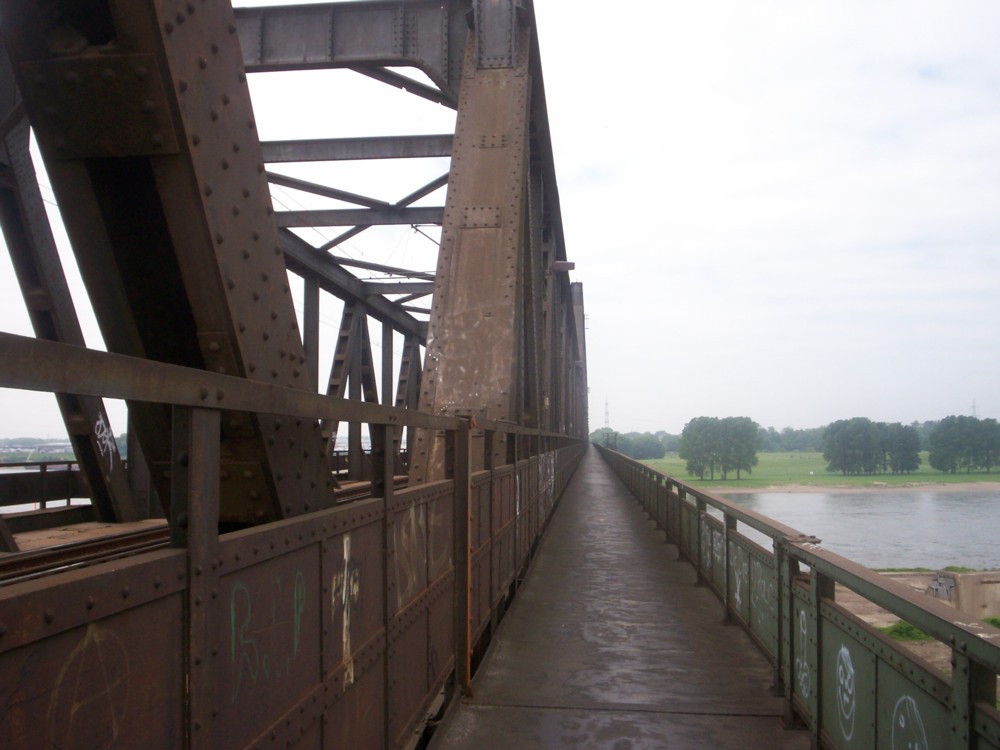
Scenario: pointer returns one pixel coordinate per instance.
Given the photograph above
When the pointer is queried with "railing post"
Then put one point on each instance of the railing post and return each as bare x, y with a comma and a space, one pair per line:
194, 524
821, 587
785, 568
463, 557
971, 683
700, 526
728, 527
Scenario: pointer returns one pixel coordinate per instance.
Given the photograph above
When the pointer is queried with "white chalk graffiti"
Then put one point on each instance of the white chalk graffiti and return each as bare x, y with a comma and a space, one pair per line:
741, 575
846, 695
802, 675
762, 594
908, 731
706, 547
105, 441
346, 590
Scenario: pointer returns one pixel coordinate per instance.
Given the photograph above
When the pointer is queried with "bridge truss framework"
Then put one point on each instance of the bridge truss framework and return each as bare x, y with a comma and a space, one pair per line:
282, 605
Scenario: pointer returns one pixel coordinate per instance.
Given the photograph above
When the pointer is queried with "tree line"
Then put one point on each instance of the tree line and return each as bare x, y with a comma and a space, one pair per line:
720, 446
861, 446
710, 444
960, 443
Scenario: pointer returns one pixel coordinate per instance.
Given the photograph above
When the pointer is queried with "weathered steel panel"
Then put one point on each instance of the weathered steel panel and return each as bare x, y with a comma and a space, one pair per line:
353, 606
848, 694
357, 718
907, 716
408, 555
764, 600
114, 682
271, 612
803, 653
739, 578
408, 672
439, 532
441, 632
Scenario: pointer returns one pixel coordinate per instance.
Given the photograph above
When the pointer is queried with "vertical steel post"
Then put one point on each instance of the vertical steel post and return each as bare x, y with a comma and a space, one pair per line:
194, 510
463, 557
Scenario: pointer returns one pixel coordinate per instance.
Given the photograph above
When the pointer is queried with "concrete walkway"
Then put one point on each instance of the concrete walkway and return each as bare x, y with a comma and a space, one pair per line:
609, 644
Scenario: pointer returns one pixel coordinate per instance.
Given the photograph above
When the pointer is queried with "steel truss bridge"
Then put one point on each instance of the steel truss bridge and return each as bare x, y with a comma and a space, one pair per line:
315, 551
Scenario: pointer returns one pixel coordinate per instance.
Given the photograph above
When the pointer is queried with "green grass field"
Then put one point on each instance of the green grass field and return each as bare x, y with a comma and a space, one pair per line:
775, 469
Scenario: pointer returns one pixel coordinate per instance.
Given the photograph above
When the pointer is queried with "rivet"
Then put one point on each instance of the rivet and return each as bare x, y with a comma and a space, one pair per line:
156, 139
49, 615
214, 115
236, 148
168, 27
225, 164
254, 235
246, 193
195, 139
246, 255
230, 284
213, 346
125, 592
241, 326
256, 296
190, 8
208, 190
202, 63
219, 394
214, 47
183, 86
90, 602
232, 28
225, 99
141, 73
147, 106
218, 239
252, 367
241, 77
180, 18
203, 392
236, 210
274, 315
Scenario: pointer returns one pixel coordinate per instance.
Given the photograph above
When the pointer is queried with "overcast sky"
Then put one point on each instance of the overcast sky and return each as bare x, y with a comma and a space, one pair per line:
782, 210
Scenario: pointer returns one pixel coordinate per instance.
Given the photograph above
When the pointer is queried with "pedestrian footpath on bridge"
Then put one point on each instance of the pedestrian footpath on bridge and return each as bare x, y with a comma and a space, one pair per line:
610, 644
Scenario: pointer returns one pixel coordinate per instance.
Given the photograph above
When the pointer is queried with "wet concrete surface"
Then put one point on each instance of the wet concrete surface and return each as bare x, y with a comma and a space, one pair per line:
610, 644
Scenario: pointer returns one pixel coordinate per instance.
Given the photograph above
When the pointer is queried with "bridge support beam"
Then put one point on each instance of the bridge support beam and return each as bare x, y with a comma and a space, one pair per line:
475, 359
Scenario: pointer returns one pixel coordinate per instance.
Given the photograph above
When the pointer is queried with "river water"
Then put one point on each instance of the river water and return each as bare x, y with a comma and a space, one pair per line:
887, 529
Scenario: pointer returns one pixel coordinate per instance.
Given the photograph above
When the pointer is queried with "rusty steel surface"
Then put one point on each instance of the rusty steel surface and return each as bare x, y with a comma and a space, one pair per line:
274, 610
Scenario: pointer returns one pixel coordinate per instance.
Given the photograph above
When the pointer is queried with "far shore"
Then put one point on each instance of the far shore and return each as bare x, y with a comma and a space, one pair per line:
733, 489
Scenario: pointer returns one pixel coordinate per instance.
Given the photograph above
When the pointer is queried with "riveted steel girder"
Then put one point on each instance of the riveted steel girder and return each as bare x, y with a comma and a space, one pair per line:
143, 117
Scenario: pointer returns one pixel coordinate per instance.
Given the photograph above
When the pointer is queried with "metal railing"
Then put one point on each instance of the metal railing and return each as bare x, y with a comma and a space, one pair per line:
338, 627
852, 686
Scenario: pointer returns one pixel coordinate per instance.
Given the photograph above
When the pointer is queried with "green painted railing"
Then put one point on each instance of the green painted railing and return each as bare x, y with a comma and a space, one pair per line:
851, 685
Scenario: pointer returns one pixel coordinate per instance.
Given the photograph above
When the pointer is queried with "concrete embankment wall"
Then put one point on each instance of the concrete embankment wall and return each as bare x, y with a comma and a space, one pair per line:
975, 593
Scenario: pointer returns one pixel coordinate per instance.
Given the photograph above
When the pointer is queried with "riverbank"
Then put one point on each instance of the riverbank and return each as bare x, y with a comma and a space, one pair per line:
847, 489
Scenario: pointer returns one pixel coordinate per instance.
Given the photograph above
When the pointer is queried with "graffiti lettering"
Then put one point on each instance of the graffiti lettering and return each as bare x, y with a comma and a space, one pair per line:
802, 674
258, 645
345, 597
105, 441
